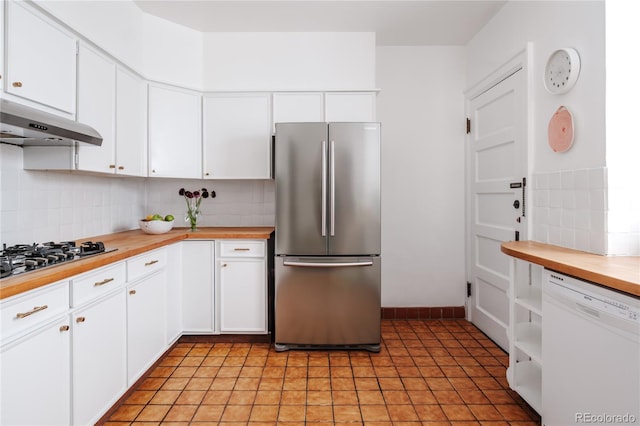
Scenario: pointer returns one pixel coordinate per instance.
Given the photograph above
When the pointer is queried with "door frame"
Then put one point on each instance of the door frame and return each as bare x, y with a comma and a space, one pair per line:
523, 62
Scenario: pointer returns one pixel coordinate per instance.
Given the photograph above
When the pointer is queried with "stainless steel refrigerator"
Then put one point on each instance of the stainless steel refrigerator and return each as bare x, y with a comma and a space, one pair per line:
327, 248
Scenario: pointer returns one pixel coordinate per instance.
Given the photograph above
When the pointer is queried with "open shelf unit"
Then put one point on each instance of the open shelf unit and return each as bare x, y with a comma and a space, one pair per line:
525, 331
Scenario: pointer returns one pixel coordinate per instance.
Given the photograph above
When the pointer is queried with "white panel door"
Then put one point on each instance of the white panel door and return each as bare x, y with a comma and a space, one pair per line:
497, 164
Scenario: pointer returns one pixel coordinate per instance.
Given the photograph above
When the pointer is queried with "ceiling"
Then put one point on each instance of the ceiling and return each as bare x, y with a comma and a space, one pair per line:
395, 22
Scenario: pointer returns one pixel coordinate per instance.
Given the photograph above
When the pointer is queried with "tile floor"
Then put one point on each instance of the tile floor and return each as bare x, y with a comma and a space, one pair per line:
430, 372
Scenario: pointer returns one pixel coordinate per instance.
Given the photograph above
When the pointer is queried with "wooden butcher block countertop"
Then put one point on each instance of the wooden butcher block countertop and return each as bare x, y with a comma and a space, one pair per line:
128, 244
617, 272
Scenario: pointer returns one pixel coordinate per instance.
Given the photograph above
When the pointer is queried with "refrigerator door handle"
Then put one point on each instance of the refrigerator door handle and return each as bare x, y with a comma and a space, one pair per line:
326, 264
332, 165
324, 188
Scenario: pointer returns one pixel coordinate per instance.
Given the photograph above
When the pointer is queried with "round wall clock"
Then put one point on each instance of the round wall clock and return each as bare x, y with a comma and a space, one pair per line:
562, 70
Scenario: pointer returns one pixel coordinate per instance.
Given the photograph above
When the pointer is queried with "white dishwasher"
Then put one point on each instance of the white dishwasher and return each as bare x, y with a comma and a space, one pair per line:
590, 353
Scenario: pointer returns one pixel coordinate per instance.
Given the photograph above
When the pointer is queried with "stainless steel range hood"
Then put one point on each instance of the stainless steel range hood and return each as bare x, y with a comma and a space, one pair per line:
23, 125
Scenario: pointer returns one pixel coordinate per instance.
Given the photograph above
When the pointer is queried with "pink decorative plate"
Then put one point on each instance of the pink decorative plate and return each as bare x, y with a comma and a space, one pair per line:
561, 130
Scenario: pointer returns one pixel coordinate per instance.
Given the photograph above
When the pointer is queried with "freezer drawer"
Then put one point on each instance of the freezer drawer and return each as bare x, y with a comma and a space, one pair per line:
327, 302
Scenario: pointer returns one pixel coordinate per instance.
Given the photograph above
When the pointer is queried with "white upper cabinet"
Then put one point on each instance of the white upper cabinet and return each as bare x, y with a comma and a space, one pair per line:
350, 106
96, 108
131, 124
294, 107
237, 136
175, 142
40, 59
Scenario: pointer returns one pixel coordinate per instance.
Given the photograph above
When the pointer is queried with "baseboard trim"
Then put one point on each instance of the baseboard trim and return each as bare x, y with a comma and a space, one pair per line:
440, 312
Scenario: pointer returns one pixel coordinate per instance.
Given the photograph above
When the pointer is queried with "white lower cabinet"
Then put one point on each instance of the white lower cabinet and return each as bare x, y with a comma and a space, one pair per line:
146, 311
35, 370
70, 350
242, 286
145, 324
35, 357
197, 287
99, 357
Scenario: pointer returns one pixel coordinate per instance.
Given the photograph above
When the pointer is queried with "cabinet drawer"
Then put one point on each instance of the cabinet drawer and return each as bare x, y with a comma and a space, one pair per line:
33, 308
146, 264
94, 284
242, 248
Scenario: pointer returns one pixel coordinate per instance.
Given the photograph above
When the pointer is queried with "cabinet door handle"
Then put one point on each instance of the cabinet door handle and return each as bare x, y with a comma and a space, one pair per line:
120, 167
80, 319
132, 292
241, 249
224, 265
64, 328
112, 166
31, 312
103, 282
17, 84
152, 262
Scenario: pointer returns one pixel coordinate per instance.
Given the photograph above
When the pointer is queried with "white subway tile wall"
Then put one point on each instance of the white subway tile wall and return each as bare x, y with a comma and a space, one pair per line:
570, 209
237, 202
39, 206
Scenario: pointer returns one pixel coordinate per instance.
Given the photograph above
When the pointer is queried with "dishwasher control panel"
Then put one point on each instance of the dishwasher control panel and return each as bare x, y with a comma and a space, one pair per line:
594, 300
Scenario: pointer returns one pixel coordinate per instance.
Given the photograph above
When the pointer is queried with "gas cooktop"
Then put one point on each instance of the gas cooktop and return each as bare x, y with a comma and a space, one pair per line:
22, 258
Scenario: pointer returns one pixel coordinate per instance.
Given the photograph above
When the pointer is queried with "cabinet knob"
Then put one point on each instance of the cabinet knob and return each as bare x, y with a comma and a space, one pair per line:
120, 167
224, 265
64, 328
112, 166
153, 170
206, 174
17, 84
132, 292
80, 319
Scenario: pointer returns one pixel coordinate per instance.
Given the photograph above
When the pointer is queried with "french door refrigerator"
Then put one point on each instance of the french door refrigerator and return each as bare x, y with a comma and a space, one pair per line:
327, 255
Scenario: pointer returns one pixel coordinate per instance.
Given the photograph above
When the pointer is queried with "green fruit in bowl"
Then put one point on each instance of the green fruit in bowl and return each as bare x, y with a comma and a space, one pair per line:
168, 218
156, 217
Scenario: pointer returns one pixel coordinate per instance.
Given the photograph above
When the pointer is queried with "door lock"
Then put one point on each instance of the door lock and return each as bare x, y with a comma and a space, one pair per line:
516, 204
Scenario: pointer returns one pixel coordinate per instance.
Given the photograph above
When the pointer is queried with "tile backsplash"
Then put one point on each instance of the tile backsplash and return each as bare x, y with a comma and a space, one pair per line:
38, 206
570, 209
579, 209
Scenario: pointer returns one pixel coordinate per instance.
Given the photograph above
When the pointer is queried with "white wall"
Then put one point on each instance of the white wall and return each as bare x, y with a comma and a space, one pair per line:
550, 25
421, 106
155, 48
289, 61
572, 191
623, 149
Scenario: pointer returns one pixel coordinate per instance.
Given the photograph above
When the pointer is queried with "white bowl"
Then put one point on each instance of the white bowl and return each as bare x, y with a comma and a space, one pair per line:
155, 226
